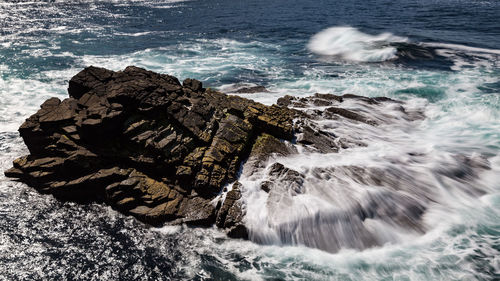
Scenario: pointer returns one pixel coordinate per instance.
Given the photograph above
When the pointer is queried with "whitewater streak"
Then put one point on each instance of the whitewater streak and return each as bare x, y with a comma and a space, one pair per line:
366, 196
402, 169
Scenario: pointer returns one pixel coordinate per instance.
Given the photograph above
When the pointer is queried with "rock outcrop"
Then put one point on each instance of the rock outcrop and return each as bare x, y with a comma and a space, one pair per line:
147, 145
164, 152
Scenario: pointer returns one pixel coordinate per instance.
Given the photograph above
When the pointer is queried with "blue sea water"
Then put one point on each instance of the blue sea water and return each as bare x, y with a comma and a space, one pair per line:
441, 56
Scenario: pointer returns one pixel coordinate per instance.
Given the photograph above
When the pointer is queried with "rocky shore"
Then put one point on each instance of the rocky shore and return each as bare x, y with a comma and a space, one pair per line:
166, 152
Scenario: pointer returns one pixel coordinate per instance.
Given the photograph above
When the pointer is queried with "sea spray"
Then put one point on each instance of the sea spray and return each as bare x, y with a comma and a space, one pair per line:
351, 44
361, 197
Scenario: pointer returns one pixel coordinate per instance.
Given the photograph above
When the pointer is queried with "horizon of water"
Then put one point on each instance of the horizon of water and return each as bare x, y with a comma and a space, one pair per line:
439, 57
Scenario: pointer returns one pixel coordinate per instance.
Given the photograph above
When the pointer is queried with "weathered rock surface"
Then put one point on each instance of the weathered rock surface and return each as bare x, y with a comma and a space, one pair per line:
147, 145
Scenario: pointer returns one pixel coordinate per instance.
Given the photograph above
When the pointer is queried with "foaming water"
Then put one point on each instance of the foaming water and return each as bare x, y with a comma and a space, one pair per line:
351, 44
368, 196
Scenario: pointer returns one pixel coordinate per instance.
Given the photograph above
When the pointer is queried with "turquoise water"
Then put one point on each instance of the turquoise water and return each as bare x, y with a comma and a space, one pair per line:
440, 57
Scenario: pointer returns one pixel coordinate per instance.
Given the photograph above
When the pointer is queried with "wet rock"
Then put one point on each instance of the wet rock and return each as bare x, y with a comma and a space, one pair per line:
197, 211
285, 101
289, 101
328, 97
266, 186
348, 114
316, 138
374, 100
287, 178
319, 99
252, 90
283, 184
231, 213
265, 147
395, 208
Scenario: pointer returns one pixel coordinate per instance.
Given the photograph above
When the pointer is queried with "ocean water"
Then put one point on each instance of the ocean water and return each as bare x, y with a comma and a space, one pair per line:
441, 57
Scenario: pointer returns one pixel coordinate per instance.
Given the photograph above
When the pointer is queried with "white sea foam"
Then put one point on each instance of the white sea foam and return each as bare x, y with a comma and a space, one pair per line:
427, 160
169, 229
431, 174
351, 44
19, 98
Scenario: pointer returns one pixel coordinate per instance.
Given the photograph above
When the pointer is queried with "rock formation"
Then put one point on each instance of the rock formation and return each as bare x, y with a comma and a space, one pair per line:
160, 150
146, 144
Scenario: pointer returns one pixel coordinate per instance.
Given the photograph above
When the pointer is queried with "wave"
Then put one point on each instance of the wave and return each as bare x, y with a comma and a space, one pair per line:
351, 44
392, 189
463, 48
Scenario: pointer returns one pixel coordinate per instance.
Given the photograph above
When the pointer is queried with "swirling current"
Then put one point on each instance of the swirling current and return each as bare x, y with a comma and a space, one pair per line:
442, 58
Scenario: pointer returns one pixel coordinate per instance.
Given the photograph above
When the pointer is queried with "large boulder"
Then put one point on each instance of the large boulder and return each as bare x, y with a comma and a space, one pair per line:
146, 144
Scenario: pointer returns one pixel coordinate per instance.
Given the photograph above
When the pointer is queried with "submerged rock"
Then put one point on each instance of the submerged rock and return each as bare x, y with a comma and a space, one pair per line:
244, 88
252, 90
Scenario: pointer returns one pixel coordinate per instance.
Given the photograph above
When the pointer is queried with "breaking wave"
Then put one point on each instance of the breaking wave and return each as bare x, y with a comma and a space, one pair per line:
353, 45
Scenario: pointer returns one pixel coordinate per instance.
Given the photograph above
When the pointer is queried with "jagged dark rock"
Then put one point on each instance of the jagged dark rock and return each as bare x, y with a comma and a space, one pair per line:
145, 144
231, 213
162, 151
320, 140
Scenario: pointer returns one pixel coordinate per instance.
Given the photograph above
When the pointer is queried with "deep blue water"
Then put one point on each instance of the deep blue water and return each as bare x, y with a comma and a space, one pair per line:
441, 56
101, 28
